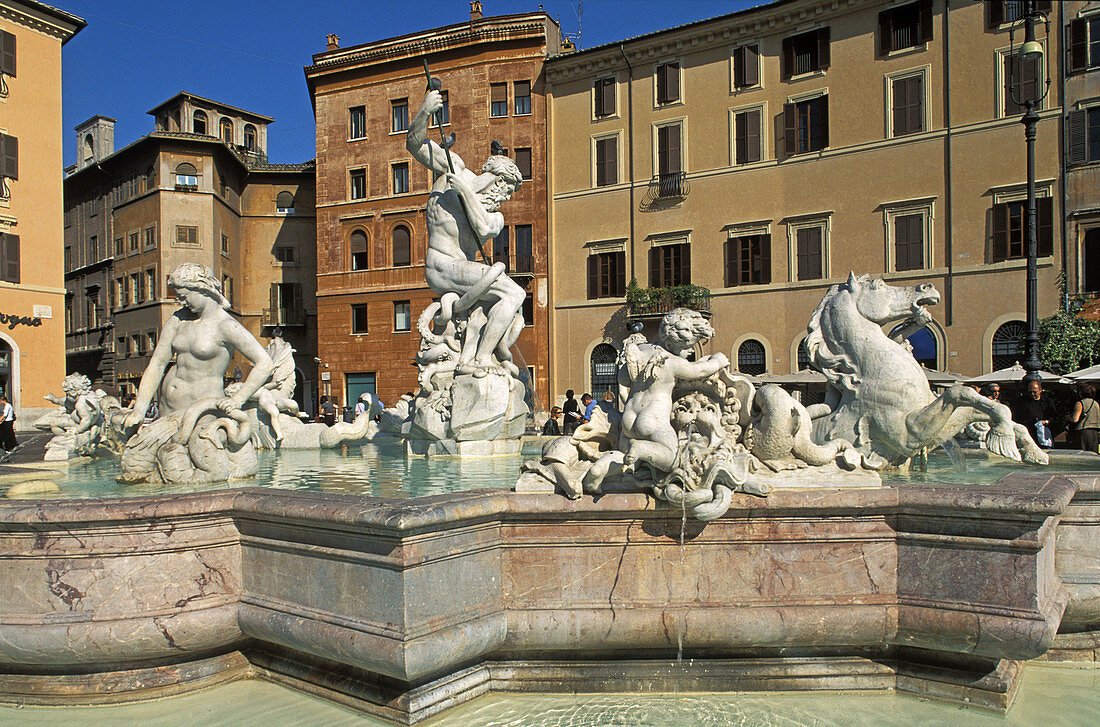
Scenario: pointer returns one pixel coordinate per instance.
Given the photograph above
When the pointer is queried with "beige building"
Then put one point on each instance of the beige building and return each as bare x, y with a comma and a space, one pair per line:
765, 154
32, 292
1080, 21
199, 188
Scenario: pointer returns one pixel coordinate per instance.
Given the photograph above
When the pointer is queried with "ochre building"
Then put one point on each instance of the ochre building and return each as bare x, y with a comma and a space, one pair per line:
371, 193
765, 154
32, 291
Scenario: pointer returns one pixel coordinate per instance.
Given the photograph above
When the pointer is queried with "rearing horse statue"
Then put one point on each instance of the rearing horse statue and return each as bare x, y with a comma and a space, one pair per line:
878, 396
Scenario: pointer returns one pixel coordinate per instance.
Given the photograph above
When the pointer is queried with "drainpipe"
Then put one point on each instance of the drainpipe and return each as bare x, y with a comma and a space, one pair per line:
1066, 224
630, 149
949, 288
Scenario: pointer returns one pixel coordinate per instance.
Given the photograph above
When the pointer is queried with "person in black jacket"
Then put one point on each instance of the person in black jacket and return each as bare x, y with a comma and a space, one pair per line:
1038, 414
572, 411
551, 426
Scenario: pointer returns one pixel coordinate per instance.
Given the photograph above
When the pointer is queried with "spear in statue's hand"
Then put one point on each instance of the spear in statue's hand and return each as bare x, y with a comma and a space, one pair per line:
447, 141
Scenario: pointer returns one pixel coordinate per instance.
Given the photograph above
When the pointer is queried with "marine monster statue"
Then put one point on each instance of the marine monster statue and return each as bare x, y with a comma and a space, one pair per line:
878, 397
202, 435
470, 385
78, 425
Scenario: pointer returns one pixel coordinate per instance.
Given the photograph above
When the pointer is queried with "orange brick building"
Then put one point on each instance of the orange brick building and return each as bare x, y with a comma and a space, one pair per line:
371, 194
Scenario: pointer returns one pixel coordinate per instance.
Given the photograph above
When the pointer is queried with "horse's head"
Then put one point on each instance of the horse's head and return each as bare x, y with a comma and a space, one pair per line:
882, 303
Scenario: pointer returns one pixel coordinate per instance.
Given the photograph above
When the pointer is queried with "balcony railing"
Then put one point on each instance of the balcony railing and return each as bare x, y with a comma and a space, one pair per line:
655, 302
672, 185
284, 317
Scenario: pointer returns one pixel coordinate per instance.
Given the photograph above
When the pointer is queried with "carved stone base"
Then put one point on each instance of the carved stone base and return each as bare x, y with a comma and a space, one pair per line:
451, 448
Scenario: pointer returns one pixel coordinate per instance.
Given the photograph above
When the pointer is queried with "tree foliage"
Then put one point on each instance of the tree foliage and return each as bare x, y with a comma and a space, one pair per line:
1067, 341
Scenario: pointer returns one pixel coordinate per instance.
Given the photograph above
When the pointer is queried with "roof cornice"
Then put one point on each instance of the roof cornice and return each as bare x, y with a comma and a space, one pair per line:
42, 18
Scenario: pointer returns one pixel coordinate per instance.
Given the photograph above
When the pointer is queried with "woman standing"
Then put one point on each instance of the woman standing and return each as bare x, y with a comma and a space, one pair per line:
1085, 417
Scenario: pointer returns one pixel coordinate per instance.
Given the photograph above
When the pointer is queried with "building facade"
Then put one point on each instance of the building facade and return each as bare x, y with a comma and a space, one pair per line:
32, 290
1080, 23
764, 154
197, 189
371, 194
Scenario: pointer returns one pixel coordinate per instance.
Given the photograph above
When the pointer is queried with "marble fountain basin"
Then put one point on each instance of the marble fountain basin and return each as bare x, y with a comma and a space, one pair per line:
406, 607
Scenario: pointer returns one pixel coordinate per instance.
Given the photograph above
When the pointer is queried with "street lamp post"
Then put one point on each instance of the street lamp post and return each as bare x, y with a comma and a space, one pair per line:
1030, 52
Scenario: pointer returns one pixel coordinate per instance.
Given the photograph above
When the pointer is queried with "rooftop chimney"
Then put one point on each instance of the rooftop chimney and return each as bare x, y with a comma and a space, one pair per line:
475, 10
333, 41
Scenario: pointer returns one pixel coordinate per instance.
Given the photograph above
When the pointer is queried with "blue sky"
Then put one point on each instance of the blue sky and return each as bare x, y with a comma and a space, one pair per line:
250, 53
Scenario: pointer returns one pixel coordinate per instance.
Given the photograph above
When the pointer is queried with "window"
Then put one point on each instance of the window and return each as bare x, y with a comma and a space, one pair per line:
117, 294
605, 370
402, 316
746, 136
906, 26
187, 235
1083, 136
523, 161
151, 178
284, 254
908, 242
120, 247
607, 161
9, 157
1090, 261
225, 244
402, 246
250, 137
746, 66
358, 187
150, 237
498, 99
151, 283
752, 359
1083, 44
805, 53
603, 97
91, 310
198, 122
607, 275
806, 125
501, 247
69, 323
668, 152
284, 203
133, 242
187, 176
223, 186
809, 249
669, 265
136, 280
359, 318
1008, 344
907, 104
804, 360
227, 288
1008, 223
357, 122
521, 90
9, 257
668, 82
137, 344
443, 116
151, 337
227, 131
1021, 82
748, 259
358, 250
401, 178
358, 384
67, 260
1009, 11
399, 115
89, 148
7, 53
527, 310
123, 346
524, 258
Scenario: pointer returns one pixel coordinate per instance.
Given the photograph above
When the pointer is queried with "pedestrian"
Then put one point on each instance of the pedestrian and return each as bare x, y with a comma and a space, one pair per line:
361, 405
1037, 413
328, 411
1084, 420
572, 411
153, 412
551, 427
589, 404
993, 391
608, 403
7, 424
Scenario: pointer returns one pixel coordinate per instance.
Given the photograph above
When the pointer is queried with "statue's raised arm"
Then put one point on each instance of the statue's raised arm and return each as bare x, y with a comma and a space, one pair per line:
423, 149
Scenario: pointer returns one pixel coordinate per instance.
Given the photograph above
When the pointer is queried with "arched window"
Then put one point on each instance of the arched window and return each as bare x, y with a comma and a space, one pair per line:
402, 246
924, 347
358, 250
751, 358
250, 137
198, 122
1008, 344
803, 356
227, 131
605, 373
284, 203
89, 147
187, 175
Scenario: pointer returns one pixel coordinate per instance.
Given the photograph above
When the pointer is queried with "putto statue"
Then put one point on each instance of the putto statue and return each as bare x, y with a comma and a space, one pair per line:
78, 425
470, 387
693, 433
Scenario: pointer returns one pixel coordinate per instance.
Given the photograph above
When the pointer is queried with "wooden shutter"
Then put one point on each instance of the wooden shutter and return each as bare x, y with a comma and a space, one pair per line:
823, 105
9, 257
1077, 45
747, 136
996, 13
788, 58
885, 31
619, 260
1077, 137
606, 161
1044, 235
685, 264
732, 252
498, 93
789, 128
746, 66
809, 253
740, 138
654, 267
593, 277
9, 156
1000, 231
668, 149
823, 48
522, 88
7, 53
925, 34
765, 259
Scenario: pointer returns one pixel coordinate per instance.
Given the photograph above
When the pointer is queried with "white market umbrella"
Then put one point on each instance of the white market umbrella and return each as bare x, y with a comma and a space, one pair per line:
1092, 373
1016, 372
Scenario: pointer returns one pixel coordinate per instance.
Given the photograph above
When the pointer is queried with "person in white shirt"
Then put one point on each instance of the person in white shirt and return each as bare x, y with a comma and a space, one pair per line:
7, 424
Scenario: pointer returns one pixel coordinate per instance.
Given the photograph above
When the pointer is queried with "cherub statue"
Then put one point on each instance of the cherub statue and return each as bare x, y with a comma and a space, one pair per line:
78, 426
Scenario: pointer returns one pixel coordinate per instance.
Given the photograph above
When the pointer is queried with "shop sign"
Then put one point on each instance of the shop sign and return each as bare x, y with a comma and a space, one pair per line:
11, 320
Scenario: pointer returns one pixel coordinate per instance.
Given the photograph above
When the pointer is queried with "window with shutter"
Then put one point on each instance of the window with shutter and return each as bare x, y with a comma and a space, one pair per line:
999, 12
358, 250
805, 53
603, 92
521, 90
607, 167
402, 246
668, 149
668, 83
607, 275
9, 257
906, 26
909, 242
9, 156
7, 53
1021, 82
747, 136
907, 114
746, 66
1009, 226
523, 161
808, 253
498, 99
806, 125
670, 265
748, 260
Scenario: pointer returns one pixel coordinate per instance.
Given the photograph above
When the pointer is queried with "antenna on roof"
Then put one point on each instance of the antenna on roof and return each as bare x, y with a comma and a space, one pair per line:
578, 10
